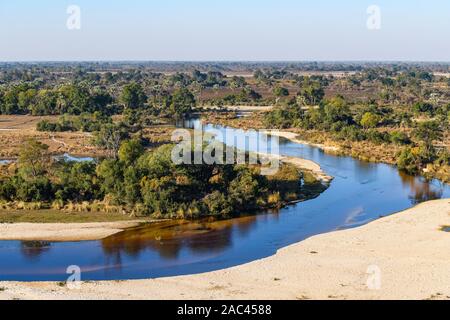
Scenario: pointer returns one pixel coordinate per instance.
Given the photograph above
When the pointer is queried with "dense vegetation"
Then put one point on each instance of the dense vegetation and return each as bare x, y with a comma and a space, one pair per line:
401, 109
146, 183
408, 111
421, 141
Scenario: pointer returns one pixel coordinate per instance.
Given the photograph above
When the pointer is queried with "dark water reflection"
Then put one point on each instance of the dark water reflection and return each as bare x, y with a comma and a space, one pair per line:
360, 193
32, 250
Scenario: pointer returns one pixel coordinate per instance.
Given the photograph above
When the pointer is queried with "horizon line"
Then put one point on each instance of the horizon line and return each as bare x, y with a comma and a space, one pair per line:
224, 61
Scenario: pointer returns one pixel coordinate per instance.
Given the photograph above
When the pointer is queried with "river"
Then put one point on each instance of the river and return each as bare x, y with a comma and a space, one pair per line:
361, 192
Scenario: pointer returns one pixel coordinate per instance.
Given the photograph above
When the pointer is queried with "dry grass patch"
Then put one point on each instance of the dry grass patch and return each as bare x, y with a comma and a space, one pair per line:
58, 216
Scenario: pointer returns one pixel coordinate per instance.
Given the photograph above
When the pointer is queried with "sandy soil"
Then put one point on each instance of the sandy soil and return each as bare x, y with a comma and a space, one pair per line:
14, 130
403, 256
303, 164
63, 231
294, 138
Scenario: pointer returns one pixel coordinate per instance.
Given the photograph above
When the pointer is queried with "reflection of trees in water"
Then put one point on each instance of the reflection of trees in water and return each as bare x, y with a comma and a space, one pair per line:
168, 239
32, 250
420, 190
113, 258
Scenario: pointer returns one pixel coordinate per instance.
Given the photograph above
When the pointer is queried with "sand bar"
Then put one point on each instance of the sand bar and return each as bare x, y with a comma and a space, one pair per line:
408, 249
63, 231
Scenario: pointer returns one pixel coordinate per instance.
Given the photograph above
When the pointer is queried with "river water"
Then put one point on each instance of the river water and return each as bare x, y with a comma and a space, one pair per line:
361, 192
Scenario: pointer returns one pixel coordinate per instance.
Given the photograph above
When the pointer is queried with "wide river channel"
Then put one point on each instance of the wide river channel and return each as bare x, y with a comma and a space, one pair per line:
361, 192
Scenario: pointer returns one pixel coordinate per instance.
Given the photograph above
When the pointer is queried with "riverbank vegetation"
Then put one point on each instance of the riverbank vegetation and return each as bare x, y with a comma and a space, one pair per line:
394, 113
413, 139
146, 183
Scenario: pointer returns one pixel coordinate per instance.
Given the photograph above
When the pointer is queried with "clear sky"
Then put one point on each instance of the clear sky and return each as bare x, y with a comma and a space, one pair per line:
32, 30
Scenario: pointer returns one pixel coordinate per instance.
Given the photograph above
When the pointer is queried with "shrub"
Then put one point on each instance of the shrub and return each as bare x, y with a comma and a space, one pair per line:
217, 204
399, 138
369, 120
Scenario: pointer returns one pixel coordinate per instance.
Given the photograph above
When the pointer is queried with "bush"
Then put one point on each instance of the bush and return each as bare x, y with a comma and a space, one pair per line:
424, 107
399, 138
412, 160
378, 137
218, 205
369, 120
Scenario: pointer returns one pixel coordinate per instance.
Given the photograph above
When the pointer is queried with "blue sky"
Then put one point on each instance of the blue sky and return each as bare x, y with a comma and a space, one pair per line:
224, 30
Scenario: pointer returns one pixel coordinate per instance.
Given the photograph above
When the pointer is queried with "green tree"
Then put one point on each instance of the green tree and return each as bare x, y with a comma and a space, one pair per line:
399, 138
110, 173
312, 93
424, 107
243, 191
133, 96
130, 151
34, 159
78, 182
218, 205
46, 101
110, 137
182, 104
280, 92
337, 110
428, 132
369, 120
73, 99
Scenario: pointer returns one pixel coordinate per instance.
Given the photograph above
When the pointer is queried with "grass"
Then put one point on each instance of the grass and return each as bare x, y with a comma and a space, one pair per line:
56, 216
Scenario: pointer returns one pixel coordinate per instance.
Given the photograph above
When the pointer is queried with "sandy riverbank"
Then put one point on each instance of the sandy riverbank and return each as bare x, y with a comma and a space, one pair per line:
408, 249
63, 231
292, 136
300, 163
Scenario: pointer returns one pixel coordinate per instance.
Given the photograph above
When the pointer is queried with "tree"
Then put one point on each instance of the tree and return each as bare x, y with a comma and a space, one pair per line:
237, 82
182, 104
369, 120
78, 182
424, 107
133, 96
280, 92
428, 132
10, 102
46, 101
110, 137
111, 176
26, 100
73, 99
244, 190
312, 93
218, 205
34, 159
130, 151
337, 110
100, 100
399, 138
408, 161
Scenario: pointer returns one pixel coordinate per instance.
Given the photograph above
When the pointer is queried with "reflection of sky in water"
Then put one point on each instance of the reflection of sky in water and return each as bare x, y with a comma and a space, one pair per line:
68, 157
65, 157
361, 192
